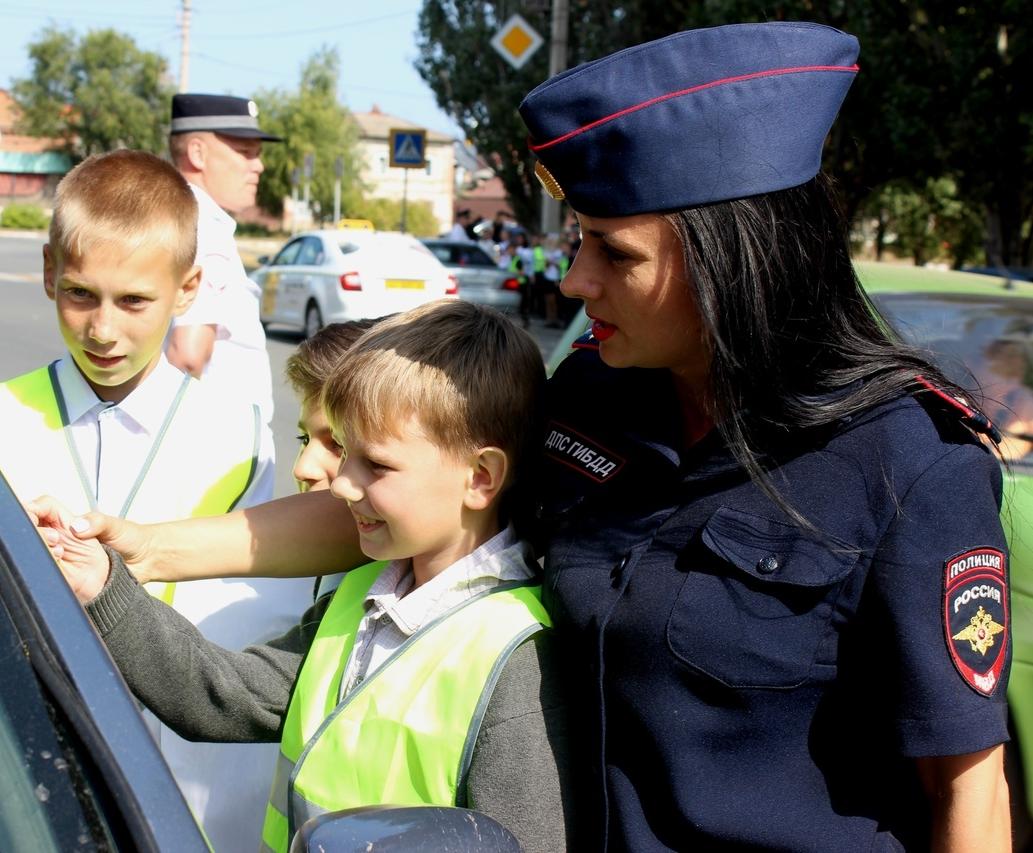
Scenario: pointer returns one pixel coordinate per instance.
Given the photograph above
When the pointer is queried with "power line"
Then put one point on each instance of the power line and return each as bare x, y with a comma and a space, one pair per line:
347, 87
309, 31
246, 9
52, 14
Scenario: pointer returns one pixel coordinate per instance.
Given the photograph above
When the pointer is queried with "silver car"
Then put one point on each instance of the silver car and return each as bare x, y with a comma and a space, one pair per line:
480, 278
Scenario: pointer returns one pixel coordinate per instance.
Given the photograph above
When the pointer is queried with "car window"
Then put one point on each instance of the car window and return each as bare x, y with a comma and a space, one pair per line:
46, 802
347, 248
986, 346
474, 256
287, 254
442, 253
311, 252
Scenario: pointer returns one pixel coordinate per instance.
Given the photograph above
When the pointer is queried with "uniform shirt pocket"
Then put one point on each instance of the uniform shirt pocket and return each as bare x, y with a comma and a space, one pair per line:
756, 601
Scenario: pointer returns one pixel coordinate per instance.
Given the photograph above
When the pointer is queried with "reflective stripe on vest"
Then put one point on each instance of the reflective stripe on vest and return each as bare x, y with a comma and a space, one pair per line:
406, 734
515, 266
198, 468
538, 253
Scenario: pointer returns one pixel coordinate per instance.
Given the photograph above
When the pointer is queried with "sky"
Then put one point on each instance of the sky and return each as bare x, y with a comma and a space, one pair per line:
240, 46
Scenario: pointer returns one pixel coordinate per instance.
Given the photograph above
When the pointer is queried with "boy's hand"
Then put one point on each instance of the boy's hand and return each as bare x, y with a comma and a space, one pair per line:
84, 563
128, 538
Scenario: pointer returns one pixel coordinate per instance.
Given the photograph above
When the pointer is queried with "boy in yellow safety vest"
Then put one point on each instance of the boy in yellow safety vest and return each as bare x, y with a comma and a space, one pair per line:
427, 677
112, 425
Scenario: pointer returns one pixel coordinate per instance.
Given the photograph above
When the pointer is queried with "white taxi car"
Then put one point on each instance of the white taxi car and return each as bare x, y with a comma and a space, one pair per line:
322, 277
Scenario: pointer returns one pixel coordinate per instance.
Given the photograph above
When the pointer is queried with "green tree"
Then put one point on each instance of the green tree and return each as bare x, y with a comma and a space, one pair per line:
95, 93
311, 122
476, 86
386, 215
927, 221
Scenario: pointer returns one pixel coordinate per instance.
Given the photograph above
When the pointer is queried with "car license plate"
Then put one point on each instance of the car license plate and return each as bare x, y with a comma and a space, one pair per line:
404, 283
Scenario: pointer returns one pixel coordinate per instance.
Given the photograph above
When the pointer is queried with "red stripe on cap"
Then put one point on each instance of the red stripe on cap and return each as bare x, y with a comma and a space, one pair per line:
774, 72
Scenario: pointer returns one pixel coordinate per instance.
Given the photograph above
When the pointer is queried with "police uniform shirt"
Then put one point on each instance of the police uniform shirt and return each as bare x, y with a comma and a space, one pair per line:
746, 683
228, 300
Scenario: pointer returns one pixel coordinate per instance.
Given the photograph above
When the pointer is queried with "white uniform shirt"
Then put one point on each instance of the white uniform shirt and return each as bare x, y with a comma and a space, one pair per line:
459, 234
395, 611
229, 300
226, 784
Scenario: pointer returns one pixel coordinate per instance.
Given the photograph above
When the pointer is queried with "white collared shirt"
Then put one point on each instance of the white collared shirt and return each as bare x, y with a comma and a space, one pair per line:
114, 440
228, 300
395, 611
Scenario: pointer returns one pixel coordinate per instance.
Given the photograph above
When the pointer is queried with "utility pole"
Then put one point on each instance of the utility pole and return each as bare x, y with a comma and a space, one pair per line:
557, 63
338, 174
184, 48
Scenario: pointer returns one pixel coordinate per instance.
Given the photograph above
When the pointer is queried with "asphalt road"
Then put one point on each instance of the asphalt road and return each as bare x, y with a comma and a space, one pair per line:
29, 338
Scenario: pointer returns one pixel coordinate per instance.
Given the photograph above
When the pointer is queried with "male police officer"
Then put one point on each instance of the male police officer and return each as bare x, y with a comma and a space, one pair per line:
216, 145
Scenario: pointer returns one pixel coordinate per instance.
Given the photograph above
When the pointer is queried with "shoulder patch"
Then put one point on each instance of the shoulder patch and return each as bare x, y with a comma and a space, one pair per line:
975, 615
973, 418
569, 447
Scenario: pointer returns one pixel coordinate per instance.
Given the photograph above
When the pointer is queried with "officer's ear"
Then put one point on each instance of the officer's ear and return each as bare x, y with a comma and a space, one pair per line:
196, 151
489, 467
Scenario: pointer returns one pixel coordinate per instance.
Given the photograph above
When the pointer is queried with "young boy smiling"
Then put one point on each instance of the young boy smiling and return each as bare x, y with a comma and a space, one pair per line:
113, 426
430, 679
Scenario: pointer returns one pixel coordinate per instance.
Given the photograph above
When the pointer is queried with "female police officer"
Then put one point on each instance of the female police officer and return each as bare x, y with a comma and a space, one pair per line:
772, 543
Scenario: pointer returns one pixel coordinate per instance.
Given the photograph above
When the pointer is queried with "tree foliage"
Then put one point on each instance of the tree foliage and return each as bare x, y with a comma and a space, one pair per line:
926, 222
386, 215
943, 91
95, 93
311, 122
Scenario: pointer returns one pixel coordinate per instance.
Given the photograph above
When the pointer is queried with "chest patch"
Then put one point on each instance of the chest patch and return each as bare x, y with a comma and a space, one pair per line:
975, 612
569, 447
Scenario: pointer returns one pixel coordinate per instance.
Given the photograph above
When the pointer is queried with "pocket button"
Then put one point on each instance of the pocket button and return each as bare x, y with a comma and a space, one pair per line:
767, 565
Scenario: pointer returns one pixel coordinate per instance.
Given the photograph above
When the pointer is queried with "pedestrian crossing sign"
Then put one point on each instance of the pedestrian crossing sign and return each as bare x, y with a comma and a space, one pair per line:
408, 148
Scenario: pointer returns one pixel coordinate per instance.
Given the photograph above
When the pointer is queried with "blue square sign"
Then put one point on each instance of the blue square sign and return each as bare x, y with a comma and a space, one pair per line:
408, 148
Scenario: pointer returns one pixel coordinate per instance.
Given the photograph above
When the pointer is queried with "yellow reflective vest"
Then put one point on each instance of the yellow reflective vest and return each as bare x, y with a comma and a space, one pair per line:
406, 734
201, 463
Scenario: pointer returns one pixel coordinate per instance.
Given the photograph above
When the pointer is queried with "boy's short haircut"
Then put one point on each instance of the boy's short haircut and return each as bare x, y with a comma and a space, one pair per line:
128, 198
468, 374
313, 363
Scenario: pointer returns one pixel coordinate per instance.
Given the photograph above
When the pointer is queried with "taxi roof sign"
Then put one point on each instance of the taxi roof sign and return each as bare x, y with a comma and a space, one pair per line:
408, 147
517, 41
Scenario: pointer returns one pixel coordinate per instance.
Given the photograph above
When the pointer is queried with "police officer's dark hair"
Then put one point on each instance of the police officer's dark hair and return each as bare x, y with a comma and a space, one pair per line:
794, 342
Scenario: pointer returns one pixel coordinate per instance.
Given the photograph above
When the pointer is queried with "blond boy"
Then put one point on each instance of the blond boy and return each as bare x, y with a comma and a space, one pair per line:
113, 426
428, 679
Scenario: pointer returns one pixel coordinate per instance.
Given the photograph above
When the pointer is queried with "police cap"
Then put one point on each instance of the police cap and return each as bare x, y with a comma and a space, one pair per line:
698, 117
223, 114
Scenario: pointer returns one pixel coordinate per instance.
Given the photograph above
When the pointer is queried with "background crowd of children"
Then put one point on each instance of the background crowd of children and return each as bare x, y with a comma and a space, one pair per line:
539, 261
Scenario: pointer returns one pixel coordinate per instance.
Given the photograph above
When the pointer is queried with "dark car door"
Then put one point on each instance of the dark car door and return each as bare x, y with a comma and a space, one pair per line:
78, 769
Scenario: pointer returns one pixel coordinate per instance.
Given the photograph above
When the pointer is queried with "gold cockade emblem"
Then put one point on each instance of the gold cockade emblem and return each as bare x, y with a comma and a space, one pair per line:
980, 632
551, 185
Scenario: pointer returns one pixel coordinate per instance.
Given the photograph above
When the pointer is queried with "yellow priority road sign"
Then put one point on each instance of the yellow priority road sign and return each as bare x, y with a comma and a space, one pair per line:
517, 40
408, 148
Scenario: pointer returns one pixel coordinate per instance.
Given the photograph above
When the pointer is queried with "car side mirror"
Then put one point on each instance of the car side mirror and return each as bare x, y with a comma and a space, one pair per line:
262, 260
402, 829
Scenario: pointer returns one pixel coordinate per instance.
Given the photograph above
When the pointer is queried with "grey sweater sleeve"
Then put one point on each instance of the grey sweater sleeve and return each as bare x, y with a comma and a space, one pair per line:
521, 766
198, 689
